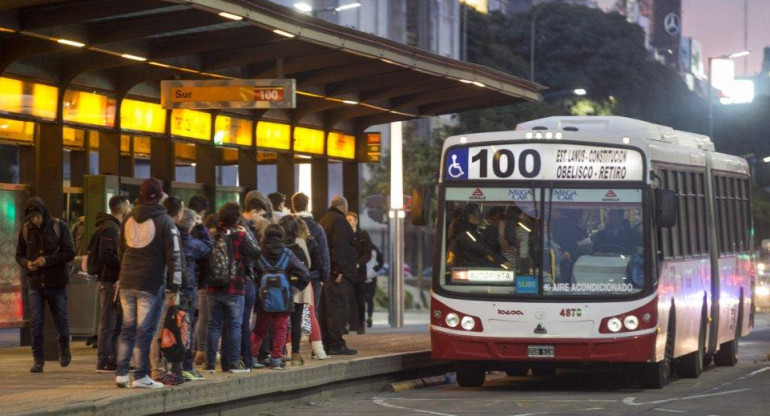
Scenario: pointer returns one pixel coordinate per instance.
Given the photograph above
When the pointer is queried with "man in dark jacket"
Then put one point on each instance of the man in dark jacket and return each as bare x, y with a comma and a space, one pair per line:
43, 250
334, 299
104, 245
299, 204
200, 205
150, 266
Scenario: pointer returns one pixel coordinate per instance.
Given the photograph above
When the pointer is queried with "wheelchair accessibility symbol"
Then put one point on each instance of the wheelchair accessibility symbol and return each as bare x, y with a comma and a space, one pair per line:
456, 163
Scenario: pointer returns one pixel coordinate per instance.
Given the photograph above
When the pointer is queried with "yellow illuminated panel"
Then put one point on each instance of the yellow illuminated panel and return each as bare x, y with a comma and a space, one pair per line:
23, 131
73, 138
184, 152
267, 156
273, 135
308, 140
479, 5
87, 108
28, 98
141, 145
341, 145
191, 124
229, 130
142, 116
125, 143
229, 155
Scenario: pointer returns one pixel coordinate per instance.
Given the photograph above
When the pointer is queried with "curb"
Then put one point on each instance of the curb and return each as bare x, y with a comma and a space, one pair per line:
418, 383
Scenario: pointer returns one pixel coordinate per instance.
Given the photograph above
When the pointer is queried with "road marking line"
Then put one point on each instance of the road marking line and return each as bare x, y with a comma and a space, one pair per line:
592, 408
631, 401
669, 410
381, 402
418, 399
761, 370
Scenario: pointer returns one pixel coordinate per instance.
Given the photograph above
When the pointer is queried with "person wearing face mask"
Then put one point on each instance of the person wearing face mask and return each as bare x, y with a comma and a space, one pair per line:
466, 243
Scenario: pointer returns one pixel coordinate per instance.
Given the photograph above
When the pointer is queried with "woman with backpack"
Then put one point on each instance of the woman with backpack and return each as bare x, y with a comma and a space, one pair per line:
280, 274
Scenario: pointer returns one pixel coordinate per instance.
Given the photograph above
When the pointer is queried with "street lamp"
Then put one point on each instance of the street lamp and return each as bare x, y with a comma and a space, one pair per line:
305, 7
580, 92
710, 85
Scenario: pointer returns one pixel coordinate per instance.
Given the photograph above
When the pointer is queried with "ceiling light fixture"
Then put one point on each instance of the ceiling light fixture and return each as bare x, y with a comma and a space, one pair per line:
282, 33
71, 43
133, 57
230, 16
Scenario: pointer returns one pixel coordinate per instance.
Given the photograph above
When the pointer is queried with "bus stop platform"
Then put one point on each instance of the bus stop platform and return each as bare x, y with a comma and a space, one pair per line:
384, 355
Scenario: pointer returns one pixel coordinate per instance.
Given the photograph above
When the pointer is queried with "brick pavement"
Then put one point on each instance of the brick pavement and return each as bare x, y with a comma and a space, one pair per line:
78, 389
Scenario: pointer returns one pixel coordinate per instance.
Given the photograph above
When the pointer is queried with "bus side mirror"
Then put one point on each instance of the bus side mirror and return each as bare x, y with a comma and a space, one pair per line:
666, 207
420, 205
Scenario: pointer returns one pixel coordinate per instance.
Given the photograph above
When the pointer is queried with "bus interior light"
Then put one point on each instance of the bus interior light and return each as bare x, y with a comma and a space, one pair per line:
631, 322
614, 325
468, 323
452, 320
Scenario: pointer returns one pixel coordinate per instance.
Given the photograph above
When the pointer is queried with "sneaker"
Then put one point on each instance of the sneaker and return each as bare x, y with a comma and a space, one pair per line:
211, 369
106, 368
65, 356
200, 358
342, 351
369, 322
258, 364
145, 382
277, 364
37, 367
123, 382
193, 375
239, 368
171, 379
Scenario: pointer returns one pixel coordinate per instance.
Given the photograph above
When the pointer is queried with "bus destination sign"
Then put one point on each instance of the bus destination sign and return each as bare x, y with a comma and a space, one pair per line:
216, 94
544, 161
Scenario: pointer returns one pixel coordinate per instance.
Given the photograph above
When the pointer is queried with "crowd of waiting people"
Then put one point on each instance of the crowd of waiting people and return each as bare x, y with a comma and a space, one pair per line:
180, 288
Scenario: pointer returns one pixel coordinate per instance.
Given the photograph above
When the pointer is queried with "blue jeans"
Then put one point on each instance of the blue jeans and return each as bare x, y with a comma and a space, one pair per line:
248, 309
189, 300
56, 297
141, 311
109, 324
225, 310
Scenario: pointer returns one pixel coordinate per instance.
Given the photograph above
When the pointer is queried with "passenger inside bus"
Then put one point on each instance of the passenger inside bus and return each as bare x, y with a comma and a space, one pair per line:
617, 236
567, 234
466, 247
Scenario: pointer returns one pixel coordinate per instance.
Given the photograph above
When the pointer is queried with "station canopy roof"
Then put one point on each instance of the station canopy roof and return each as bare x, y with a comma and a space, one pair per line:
346, 80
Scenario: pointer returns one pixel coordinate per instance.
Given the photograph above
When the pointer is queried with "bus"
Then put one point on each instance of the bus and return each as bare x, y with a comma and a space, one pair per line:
577, 241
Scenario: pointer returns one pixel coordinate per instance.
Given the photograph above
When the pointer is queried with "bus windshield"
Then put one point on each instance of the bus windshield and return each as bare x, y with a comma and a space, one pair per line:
543, 242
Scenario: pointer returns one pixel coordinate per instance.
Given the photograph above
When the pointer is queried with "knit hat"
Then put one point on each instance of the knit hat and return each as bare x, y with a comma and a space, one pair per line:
150, 192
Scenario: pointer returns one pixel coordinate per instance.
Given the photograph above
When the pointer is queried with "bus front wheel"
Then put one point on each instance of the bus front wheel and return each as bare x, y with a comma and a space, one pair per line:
655, 375
470, 374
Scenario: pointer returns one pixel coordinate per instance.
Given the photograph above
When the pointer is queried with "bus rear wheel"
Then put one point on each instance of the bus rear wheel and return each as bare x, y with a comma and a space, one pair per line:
727, 356
470, 374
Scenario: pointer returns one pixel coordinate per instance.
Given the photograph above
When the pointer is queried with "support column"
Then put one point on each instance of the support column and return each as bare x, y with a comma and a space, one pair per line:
206, 170
50, 188
247, 168
319, 170
109, 154
78, 167
162, 161
350, 185
285, 171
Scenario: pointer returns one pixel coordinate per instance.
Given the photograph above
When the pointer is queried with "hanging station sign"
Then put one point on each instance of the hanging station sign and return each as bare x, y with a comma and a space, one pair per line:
216, 94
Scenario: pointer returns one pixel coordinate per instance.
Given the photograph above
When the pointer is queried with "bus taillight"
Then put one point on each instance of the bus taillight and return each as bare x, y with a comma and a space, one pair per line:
447, 317
641, 318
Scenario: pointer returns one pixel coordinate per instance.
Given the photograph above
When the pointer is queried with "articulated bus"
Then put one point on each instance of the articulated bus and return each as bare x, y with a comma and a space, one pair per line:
576, 241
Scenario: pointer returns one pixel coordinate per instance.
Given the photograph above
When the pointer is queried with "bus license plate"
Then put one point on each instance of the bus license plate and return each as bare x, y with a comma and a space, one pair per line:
541, 351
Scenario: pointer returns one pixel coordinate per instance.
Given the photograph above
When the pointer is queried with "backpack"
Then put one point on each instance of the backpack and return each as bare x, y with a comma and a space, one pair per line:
175, 340
221, 264
274, 289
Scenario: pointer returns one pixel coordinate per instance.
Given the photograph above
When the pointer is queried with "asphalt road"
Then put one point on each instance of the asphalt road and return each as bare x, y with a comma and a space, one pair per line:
724, 391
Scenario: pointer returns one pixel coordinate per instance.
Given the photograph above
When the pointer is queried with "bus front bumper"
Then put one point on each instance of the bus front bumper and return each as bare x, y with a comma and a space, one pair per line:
447, 346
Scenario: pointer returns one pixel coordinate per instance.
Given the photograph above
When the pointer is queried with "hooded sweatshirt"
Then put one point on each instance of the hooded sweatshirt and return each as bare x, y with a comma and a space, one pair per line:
149, 251
108, 233
57, 250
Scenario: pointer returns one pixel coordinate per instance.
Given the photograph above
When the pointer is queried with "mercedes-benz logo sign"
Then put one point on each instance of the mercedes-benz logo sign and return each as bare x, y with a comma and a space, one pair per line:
671, 23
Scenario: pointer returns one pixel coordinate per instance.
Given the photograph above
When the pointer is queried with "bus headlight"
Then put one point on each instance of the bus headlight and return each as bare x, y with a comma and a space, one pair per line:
468, 323
452, 320
614, 325
631, 322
